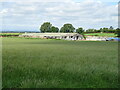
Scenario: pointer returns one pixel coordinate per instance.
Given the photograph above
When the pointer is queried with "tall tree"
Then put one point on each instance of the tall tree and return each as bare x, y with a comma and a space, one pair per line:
90, 30
101, 30
117, 32
111, 28
105, 30
80, 30
46, 27
54, 29
67, 28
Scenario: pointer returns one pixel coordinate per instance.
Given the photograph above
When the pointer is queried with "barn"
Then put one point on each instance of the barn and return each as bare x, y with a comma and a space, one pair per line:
65, 36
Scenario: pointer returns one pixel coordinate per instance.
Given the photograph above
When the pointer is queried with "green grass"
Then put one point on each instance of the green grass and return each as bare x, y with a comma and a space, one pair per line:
9, 34
102, 34
39, 63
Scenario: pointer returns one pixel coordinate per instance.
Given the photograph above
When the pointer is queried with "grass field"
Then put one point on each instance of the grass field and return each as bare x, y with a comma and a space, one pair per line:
38, 63
9, 34
102, 34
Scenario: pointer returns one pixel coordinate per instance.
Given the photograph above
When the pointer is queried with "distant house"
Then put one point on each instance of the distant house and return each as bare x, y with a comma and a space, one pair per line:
65, 36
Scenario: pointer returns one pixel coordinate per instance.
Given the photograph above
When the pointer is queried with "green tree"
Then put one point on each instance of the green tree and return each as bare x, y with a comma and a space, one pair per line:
67, 28
105, 30
97, 31
111, 28
46, 27
90, 31
117, 32
101, 30
80, 30
54, 29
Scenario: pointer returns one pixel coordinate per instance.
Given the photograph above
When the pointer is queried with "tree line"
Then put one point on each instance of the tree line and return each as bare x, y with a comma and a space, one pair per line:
69, 28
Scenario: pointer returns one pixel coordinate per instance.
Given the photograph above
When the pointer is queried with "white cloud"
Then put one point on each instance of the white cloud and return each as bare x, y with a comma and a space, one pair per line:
36, 1
88, 14
55, 0
4, 11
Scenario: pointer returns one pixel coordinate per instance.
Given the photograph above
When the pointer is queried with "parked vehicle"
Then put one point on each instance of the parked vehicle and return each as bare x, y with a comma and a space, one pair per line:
113, 39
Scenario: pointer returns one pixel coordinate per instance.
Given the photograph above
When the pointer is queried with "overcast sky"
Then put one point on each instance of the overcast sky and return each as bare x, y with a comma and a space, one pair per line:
21, 15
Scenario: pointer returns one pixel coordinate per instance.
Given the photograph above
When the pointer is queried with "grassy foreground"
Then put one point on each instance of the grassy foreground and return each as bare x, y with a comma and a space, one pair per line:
102, 34
38, 63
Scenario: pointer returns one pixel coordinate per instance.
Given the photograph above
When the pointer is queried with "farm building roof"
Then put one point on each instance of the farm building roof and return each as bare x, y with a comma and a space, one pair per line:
52, 34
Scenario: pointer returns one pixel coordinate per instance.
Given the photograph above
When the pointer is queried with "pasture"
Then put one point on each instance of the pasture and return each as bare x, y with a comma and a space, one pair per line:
10, 34
40, 63
102, 34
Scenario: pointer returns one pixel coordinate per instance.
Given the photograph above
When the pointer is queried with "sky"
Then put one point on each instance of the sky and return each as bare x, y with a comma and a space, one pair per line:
19, 15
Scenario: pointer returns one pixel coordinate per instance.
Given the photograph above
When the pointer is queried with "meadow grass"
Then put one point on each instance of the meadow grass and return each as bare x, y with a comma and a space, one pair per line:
40, 63
102, 34
9, 34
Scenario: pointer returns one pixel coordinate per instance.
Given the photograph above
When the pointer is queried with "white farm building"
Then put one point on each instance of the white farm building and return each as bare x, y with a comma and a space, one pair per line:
65, 36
